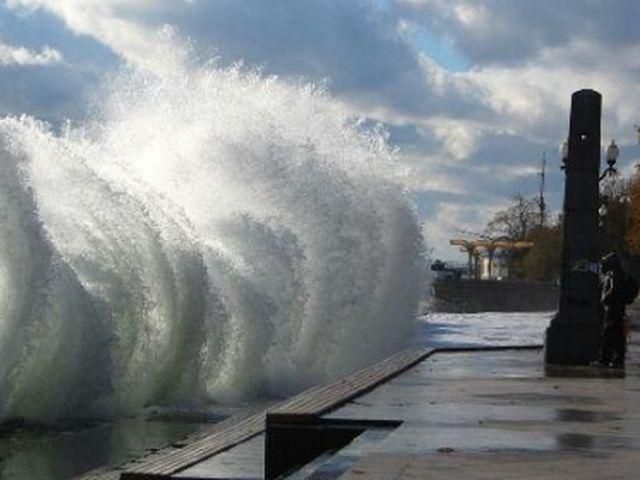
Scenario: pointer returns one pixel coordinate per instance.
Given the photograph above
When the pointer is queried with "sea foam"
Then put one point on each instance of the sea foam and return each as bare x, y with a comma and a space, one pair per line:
209, 234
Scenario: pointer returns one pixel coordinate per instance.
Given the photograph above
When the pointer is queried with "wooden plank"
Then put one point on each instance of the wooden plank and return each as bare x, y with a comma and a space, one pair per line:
199, 450
218, 428
315, 402
99, 474
307, 405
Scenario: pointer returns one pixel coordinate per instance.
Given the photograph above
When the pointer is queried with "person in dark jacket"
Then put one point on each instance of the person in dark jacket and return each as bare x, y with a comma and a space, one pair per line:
614, 342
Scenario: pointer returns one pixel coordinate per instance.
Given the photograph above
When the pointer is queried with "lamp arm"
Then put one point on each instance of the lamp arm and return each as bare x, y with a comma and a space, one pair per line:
607, 171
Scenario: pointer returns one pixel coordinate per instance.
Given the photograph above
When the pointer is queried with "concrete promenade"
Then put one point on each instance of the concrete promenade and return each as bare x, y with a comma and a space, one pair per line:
458, 414
495, 415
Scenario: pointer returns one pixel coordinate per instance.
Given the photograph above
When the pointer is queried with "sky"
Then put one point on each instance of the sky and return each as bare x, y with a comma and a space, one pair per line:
473, 93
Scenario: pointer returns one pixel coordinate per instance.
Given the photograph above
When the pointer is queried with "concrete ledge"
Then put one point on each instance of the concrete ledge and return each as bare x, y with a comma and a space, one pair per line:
472, 296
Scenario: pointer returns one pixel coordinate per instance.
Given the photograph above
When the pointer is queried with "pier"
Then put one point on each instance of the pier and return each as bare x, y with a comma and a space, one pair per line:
429, 413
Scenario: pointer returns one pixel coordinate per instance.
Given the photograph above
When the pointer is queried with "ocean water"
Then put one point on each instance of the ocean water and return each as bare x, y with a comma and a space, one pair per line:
208, 236
66, 450
482, 329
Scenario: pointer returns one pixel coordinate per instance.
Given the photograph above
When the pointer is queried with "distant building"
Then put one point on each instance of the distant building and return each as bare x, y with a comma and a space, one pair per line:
488, 259
497, 271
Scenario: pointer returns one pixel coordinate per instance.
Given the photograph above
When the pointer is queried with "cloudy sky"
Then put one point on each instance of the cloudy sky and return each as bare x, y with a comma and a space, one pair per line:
472, 92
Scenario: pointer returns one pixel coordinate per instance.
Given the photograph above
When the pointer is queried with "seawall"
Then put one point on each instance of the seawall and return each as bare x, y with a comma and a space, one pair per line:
470, 296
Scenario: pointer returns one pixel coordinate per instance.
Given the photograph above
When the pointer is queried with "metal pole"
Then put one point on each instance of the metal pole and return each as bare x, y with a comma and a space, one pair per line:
541, 203
573, 335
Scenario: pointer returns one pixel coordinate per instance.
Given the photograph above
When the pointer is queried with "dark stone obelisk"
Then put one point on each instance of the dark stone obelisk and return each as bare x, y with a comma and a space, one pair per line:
573, 335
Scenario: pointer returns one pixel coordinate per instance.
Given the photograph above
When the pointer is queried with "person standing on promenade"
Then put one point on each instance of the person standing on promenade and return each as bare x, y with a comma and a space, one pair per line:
618, 289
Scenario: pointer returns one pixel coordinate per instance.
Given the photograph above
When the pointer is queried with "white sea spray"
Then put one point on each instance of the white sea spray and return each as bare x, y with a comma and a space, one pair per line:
211, 234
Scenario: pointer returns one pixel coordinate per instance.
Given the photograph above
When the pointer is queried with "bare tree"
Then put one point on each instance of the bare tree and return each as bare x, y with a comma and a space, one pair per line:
517, 221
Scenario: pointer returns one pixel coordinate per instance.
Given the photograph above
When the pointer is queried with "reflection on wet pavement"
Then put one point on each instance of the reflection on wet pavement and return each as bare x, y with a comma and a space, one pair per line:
585, 416
463, 414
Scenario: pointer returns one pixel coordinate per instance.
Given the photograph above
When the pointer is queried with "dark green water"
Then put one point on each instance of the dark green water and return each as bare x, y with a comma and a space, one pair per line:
38, 453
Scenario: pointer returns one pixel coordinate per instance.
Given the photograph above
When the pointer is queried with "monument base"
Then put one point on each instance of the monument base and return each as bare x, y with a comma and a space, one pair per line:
567, 344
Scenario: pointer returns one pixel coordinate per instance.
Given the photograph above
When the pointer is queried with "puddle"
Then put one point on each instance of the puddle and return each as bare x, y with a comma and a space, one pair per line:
531, 397
574, 440
584, 416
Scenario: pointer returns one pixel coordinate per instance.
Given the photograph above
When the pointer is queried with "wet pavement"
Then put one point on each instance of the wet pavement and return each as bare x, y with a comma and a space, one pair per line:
476, 415
244, 461
495, 415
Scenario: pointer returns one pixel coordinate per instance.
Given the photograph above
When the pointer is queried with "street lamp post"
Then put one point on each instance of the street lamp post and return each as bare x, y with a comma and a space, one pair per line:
573, 335
612, 157
609, 202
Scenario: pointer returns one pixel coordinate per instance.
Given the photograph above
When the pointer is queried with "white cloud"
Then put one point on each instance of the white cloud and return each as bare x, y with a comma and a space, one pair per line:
420, 172
471, 15
21, 56
114, 23
533, 98
479, 130
459, 138
455, 220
